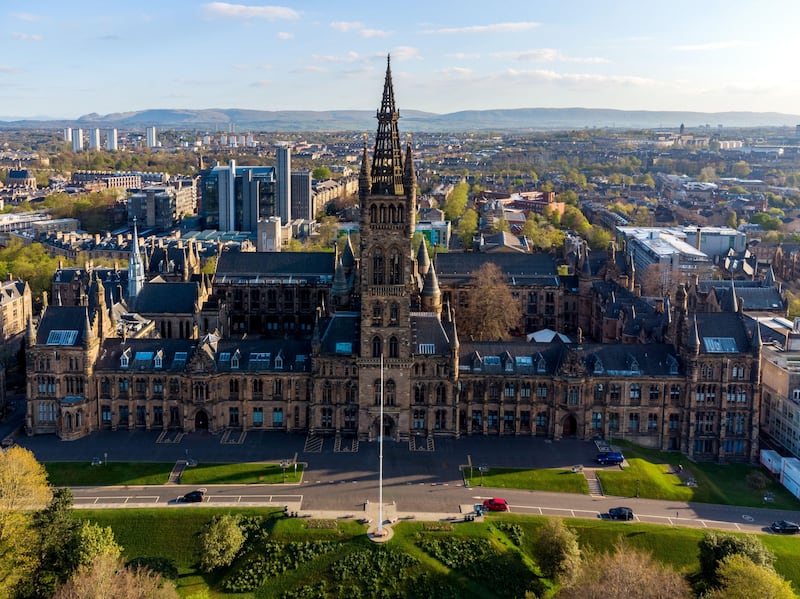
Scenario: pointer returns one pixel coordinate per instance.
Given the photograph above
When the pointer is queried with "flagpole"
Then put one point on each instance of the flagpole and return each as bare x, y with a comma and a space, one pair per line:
380, 467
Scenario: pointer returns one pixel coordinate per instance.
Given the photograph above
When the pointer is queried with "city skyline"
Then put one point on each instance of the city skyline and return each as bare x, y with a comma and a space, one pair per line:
64, 60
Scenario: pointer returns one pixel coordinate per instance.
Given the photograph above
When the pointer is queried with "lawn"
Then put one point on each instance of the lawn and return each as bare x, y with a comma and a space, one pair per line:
172, 534
83, 474
552, 479
241, 474
716, 483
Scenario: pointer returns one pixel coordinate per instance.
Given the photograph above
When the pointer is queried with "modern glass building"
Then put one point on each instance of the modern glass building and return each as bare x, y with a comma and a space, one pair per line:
235, 198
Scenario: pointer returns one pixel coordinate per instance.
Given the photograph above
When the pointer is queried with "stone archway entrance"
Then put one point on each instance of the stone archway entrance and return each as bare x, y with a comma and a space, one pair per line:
201, 421
389, 428
569, 426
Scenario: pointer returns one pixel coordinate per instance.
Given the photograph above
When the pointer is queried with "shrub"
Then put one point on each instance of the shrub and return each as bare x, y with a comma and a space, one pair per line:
220, 542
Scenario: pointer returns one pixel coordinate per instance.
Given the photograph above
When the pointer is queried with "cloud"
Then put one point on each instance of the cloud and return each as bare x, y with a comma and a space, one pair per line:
368, 33
405, 53
285, 35
25, 16
456, 72
261, 83
712, 46
346, 58
555, 77
345, 26
311, 69
495, 28
463, 56
27, 37
7, 69
547, 55
243, 11
358, 28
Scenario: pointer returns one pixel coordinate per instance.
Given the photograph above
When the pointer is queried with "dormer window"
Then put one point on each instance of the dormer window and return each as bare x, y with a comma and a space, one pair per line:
279, 362
598, 366
235, 360
158, 360
124, 359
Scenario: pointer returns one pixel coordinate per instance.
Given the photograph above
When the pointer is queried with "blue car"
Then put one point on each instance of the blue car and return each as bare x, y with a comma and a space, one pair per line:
609, 457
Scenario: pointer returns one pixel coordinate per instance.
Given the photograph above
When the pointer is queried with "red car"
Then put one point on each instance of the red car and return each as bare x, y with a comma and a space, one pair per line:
495, 504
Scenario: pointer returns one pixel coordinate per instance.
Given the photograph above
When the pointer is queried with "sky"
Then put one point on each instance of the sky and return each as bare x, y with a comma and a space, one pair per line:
64, 59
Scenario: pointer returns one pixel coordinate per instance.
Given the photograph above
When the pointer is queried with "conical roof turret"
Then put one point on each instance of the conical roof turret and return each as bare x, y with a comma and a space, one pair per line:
340, 287
348, 257
423, 261
431, 286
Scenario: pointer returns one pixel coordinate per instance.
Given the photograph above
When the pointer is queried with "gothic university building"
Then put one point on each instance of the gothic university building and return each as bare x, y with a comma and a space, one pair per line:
309, 343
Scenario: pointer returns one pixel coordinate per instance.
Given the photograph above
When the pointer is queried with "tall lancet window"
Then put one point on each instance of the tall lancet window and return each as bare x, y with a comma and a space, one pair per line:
377, 268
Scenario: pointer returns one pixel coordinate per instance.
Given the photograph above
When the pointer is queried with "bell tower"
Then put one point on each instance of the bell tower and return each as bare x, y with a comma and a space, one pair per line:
387, 194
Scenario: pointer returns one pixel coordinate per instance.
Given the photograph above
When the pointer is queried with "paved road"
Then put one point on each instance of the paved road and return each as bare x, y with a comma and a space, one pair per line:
345, 483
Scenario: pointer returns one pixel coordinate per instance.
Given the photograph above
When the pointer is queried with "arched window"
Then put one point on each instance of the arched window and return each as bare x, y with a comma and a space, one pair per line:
376, 386
419, 394
440, 394
395, 268
394, 310
393, 347
327, 393
377, 347
377, 267
400, 214
389, 393
383, 214
373, 213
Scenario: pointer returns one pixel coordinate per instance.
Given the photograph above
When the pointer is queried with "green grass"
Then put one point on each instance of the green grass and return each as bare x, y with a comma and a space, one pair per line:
83, 474
240, 474
553, 479
172, 533
716, 483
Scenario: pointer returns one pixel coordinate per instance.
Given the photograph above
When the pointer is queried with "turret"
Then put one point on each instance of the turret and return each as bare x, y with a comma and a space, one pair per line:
423, 261
135, 269
431, 294
364, 180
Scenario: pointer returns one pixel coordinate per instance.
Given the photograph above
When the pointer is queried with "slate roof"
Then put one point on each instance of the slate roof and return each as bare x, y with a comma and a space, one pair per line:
147, 350
62, 318
712, 326
429, 331
10, 290
456, 268
167, 298
755, 298
341, 334
513, 357
312, 266
263, 355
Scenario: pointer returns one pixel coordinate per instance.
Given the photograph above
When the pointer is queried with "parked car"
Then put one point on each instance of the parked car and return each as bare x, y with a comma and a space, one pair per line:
784, 527
620, 513
193, 496
496, 504
609, 457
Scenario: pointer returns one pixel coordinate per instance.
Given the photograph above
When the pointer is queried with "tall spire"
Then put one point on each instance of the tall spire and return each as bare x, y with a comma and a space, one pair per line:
387, 162
135, 267
364, 180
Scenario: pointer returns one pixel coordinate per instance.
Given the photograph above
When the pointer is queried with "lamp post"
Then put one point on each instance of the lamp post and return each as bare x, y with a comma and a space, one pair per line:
637, 487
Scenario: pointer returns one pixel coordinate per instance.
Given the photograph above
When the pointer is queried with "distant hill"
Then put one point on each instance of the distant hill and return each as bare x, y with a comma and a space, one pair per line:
415, 120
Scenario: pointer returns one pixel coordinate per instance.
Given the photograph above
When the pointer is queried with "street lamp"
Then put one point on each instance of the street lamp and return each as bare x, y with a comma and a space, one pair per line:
637, 487
284, 466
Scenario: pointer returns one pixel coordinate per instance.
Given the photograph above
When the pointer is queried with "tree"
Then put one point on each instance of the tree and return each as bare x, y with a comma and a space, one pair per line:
655, 280
23, 488
569, 197
57, 546
321, 173
500, 225
556, 551
642, 216
467, 226
491, 311
95, 540
707, 174
599, 238
740, 169
107, 577
456, 201
627, 573
220, 542
716, 546
740, 578
733, 220
328, 231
